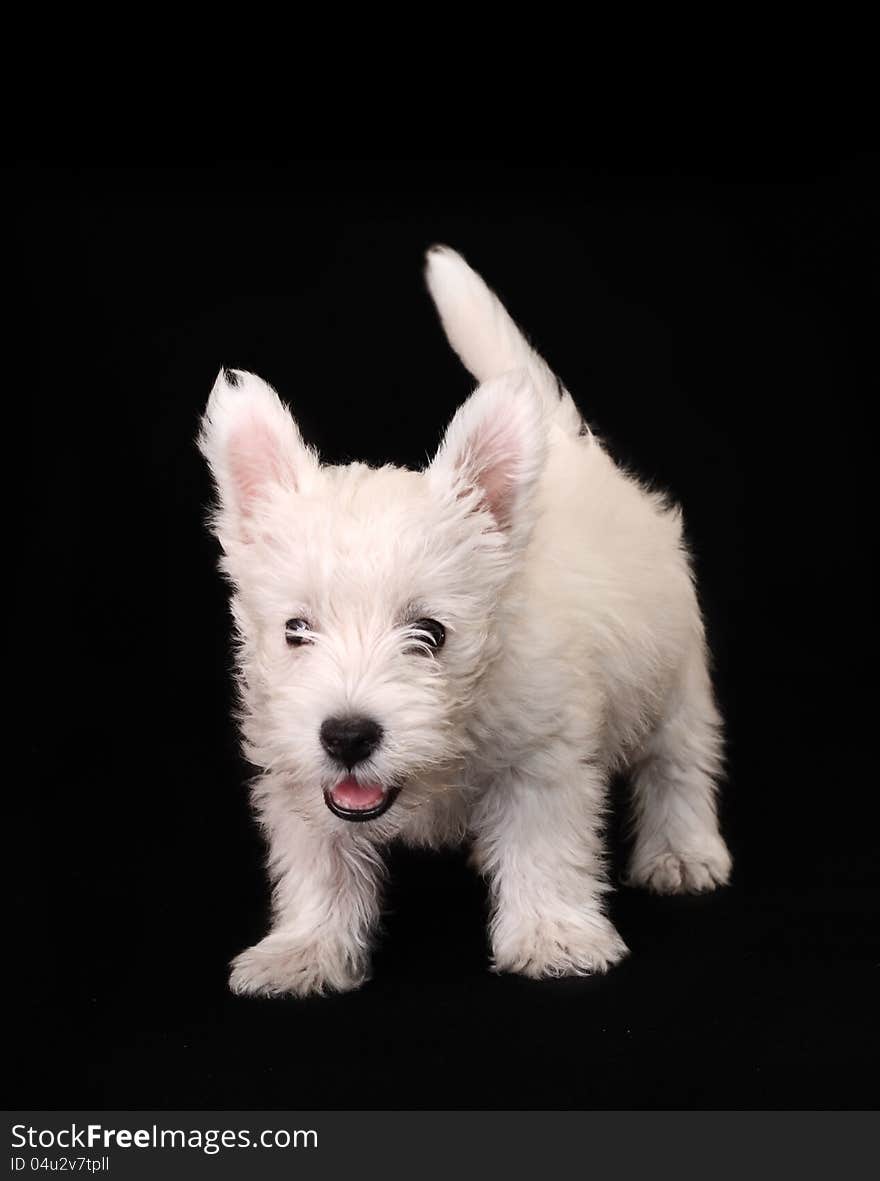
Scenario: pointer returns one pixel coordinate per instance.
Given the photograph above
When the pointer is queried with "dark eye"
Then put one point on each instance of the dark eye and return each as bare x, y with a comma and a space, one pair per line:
297, 632
427, 632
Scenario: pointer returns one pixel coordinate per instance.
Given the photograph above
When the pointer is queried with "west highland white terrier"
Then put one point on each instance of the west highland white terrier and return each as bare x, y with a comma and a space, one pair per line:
465, 653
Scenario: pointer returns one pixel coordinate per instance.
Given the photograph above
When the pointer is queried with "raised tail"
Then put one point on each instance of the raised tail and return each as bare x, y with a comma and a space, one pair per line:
481, 331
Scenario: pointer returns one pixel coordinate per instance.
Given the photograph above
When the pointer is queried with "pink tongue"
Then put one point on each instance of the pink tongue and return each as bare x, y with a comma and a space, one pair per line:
353, 795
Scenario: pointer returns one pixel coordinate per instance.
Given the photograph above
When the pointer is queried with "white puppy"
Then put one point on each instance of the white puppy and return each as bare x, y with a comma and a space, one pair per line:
463, 653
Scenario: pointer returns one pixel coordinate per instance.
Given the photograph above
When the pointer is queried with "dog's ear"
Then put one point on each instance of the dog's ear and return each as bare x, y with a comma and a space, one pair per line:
494, 449
251, 443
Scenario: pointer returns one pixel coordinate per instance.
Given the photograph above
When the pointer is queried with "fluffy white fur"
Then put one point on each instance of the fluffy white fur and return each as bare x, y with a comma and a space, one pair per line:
575, 649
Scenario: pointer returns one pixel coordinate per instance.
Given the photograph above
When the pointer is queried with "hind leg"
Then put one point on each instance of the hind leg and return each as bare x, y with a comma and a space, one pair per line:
678, 847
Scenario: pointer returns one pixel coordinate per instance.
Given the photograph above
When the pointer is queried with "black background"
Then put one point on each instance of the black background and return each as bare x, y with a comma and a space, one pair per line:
711, 318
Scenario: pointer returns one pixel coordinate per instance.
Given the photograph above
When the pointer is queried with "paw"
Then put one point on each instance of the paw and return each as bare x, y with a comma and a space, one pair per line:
279, 966
581, 945
683, 873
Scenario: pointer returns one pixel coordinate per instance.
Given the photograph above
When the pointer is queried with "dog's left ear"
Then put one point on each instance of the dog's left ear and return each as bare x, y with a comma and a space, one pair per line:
494, 450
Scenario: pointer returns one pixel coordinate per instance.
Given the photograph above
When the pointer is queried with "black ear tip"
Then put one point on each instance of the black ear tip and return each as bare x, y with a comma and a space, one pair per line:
230, 377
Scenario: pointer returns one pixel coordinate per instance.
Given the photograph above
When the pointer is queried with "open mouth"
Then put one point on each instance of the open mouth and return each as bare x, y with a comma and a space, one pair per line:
350, 800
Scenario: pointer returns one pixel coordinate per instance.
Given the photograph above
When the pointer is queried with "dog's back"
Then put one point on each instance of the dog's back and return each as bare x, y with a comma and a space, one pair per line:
605, 598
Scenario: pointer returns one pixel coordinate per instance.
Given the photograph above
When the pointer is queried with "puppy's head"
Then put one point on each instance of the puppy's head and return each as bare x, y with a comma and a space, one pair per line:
365, 599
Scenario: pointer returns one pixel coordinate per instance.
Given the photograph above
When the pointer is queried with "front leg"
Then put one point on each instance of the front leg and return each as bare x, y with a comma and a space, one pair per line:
537, 840
326, 907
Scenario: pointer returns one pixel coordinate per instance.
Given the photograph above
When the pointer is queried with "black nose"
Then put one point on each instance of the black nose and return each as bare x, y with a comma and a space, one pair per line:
350, 740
